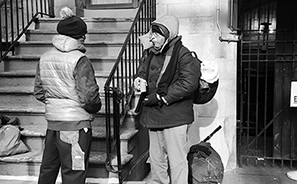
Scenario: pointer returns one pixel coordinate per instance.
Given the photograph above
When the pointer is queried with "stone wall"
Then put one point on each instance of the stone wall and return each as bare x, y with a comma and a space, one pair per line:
60, 4
200, 32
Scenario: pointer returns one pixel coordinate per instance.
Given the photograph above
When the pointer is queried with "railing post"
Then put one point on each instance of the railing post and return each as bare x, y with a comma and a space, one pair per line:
120, 81
52, 8
117, 96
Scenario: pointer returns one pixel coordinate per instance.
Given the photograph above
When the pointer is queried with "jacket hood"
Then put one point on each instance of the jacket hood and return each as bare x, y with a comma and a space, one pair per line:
171, 23
66, 44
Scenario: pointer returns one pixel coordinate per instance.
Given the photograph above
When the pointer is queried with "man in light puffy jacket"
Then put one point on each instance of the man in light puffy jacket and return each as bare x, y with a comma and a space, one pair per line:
66, 84
171, 76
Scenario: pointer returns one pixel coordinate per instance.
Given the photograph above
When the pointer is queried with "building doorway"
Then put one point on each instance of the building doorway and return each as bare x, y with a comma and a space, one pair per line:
267, 63
111, 4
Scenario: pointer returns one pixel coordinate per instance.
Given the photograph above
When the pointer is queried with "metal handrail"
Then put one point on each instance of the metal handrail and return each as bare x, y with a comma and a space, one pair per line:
15, 19
118, 87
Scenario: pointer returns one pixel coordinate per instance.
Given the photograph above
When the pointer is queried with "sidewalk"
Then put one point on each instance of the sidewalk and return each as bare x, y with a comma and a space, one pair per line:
258, 175
244, 175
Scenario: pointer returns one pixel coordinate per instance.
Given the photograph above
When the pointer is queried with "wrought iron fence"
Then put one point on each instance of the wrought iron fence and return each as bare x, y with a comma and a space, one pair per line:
16, 16
267, 129
118, 87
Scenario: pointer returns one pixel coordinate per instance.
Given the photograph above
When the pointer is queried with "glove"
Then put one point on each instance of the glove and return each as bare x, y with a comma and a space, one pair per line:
140, 84
153, 100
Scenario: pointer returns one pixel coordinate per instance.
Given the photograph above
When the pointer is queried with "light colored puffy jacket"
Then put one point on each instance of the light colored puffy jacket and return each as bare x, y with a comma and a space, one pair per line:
56, 73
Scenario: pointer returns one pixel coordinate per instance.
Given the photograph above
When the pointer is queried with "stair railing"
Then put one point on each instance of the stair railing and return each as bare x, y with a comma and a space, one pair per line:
118, 87
16, 16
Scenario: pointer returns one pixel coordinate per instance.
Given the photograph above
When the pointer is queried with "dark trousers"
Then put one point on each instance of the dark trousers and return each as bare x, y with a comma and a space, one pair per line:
58, 154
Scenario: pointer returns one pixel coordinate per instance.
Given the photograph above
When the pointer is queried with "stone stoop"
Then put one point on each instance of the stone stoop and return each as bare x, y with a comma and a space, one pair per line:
27, 164
103, 42
34, 179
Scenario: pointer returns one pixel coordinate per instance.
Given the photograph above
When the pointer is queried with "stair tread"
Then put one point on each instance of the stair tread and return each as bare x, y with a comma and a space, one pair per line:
24, 157
17, 89
30, 108
97, 43
91, 19
26, 90
97, 158
89, 180
90, 31
37, 57
31, 73
98, 132
23, 108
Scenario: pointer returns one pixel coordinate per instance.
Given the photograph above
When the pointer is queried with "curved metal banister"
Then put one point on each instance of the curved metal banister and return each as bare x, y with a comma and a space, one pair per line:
15, 19
118, 86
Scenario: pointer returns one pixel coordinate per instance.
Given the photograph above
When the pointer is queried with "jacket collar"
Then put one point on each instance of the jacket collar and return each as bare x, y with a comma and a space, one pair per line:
166, 46
66, 44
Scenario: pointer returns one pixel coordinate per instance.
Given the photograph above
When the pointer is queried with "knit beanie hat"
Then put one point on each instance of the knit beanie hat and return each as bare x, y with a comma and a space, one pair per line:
71, 25
162, 30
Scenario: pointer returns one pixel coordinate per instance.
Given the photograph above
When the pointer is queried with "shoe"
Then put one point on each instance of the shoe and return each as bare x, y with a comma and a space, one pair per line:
292, 175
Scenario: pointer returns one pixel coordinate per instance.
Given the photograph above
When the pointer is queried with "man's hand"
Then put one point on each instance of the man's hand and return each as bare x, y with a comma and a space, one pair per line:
153, 100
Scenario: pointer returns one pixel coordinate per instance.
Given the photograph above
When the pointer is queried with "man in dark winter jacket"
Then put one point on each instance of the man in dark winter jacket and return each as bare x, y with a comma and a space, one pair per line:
171, 76
65, 83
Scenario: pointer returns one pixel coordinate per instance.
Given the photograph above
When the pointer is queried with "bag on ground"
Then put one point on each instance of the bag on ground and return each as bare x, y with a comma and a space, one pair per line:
205, 165
10, 142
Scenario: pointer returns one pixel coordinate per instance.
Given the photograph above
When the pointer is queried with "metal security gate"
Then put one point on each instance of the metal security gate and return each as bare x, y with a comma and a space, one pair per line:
267, 125
267, 63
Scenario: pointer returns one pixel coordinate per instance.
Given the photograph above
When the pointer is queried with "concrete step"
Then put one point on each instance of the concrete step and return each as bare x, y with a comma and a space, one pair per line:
33, 115
28, 164
27, 78
104, 24
19, 95
34, 136
100, 49
92, 35
133, 142
13, 63
111, 13
4, 179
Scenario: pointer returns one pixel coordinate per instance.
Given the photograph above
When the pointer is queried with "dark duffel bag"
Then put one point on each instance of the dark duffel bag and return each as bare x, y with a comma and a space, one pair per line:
205, 164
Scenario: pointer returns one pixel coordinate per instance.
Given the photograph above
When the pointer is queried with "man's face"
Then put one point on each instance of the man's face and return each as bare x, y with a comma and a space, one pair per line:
158, 40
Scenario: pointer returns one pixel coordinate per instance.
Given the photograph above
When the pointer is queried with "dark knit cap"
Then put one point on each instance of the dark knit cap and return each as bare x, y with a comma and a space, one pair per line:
73, 26
162, 30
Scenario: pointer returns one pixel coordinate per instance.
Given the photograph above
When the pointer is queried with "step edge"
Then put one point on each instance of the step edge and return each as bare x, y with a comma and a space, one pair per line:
31, 73
37, 57
86, 44
90, 31
97, 133
24, 90
90, 19
89, 180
